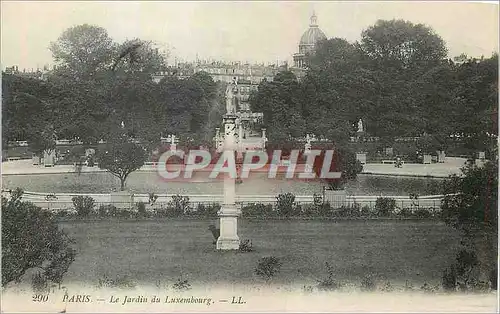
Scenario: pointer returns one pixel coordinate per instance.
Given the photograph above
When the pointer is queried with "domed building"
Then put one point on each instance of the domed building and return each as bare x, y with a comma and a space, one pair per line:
308, 42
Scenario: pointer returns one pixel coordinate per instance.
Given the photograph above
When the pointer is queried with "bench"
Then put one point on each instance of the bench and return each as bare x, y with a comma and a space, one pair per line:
391, 162
13, 158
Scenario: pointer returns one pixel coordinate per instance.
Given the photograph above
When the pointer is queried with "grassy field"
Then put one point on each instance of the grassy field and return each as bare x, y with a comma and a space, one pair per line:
145, 182
146, 252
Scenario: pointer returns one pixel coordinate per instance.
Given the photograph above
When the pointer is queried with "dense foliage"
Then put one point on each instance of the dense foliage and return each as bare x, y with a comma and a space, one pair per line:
472, 198
31, 239
471, 206
97, 85
397, 80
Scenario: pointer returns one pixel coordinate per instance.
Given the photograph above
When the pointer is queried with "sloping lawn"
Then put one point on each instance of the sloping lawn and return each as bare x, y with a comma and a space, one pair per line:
146, 251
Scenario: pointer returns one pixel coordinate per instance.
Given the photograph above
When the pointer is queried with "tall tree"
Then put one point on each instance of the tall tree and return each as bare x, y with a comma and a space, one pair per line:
33, 110
83, 50
476, 99
337, 89
401, 44
400, 53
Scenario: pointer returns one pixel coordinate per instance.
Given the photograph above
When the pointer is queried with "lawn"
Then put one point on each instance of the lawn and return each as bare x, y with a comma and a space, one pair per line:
147, 251
145, 182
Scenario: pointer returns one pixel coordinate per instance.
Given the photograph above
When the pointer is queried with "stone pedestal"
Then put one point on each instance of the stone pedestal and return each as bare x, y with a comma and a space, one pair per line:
308, 168
35, 160
122, 200
427, 159
361, 157
441, 156
228, 219
49, 158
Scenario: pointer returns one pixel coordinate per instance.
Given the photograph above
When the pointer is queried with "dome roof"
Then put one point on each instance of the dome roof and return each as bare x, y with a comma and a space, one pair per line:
313, 34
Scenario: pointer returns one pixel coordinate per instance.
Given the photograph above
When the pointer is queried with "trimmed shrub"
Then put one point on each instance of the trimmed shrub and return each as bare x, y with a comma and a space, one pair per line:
181, 285
245, 246
423, 213
84, 205
179, 205
106, 210
365, 211
210, 210
141, 210
329, 283
268, 267
385, 206
405, 212
285, 204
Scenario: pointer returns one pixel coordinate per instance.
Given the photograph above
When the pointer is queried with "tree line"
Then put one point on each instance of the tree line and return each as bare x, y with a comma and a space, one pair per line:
97, 85
397, 79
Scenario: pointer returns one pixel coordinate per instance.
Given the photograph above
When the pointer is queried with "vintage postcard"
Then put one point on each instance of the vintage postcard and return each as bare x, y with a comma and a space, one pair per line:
258, 156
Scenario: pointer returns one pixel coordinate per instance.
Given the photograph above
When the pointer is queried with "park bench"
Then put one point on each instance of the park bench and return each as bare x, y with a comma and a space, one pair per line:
391, 162
388, 161
13, 158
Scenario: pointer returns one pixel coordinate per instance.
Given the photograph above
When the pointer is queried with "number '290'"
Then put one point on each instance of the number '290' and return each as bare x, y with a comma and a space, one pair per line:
40, 298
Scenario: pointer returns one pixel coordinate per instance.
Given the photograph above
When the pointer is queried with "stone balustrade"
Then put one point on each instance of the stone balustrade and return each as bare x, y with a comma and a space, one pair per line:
64, 200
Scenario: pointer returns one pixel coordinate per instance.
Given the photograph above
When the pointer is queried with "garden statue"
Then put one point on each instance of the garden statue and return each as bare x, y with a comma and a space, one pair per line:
231, 92
360, 126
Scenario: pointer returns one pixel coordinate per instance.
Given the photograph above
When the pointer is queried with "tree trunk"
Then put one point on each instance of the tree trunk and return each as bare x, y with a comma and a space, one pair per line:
122, 184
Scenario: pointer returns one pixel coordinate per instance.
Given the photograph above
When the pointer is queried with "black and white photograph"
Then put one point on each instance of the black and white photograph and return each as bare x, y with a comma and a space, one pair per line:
249, 156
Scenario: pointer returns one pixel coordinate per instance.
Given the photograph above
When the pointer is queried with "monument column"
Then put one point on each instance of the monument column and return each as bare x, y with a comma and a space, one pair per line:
307, 151
228, 214
240, 136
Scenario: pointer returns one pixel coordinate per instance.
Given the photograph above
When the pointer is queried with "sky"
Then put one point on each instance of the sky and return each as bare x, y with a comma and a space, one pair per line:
265, 31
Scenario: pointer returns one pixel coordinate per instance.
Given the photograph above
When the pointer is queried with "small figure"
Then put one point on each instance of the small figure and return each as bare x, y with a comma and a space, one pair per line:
215, 232
398, 163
